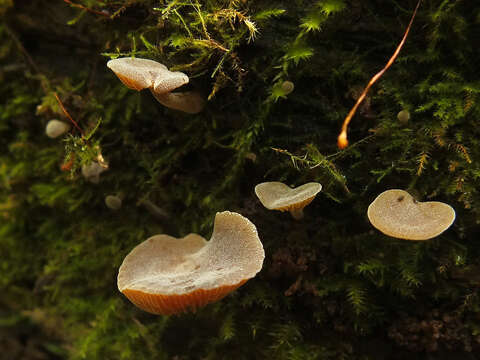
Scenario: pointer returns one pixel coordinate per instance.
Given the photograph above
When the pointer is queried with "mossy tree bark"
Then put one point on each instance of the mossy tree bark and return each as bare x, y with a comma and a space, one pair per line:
332, 286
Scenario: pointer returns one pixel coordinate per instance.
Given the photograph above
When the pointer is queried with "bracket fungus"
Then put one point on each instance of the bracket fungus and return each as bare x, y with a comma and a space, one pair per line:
165, 275
397, 214
139, 74
278, 196
56, 128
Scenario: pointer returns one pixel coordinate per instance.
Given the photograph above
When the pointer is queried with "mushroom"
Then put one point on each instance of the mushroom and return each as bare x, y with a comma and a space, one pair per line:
403, 116
287, 87
190, 102
139, 74
113, 202
278, 196
397, 214
56, 128
165, 275
92, 171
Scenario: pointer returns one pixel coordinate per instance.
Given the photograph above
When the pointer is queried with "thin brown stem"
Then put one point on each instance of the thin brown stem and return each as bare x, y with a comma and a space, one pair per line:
67, 114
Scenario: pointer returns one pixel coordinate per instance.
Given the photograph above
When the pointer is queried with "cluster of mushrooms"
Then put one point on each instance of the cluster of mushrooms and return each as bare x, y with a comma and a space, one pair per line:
168, 275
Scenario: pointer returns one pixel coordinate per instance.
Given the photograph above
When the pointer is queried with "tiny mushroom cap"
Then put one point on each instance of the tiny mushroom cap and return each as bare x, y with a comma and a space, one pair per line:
56, 128
278, 196
287, 87
138, 74
397, 214
165, 275
403, 116
113, 202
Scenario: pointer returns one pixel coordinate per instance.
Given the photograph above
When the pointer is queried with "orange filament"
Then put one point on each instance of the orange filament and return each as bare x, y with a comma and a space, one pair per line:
342, 140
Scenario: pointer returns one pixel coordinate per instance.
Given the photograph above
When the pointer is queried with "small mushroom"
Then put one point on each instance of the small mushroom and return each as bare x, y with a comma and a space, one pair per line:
397, 214
56, 128
287, 87
165, 275
278, 196
403, 116
113, 202
139, 74
92, 171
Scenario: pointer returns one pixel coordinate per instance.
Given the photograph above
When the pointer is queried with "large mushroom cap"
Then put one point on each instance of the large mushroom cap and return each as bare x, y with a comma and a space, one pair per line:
166, 275
138, 74
396, 213
275, 195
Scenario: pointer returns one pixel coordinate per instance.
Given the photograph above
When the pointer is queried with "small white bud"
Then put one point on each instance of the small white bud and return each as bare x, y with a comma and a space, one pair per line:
113, 202
55, 128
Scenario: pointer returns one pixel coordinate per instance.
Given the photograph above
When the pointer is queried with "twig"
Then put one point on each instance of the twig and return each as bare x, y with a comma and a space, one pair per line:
96, 12
342, 140
67, 114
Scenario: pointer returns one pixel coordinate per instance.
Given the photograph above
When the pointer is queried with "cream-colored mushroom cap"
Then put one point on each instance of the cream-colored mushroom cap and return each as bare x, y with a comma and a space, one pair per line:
166, 275
138, 74
278, 196
396, 213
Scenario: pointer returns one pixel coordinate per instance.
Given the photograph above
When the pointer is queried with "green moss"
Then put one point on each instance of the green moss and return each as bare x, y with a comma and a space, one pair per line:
331, 287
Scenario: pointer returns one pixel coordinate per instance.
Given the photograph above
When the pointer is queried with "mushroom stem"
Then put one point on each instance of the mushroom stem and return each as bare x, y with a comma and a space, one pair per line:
297, 213
153, 209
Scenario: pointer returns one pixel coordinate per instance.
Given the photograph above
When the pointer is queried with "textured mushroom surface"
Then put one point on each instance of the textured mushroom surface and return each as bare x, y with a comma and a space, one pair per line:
396, 213
138, 74
166, 275
278, 196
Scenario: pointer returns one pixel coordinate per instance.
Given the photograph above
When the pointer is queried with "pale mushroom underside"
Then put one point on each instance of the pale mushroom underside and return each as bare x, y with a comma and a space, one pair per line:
165, 265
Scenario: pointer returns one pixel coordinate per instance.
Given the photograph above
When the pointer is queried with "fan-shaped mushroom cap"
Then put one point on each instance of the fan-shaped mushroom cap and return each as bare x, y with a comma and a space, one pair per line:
166, 275
55, 128
278, 196
190, 102
138, 74
396, 213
